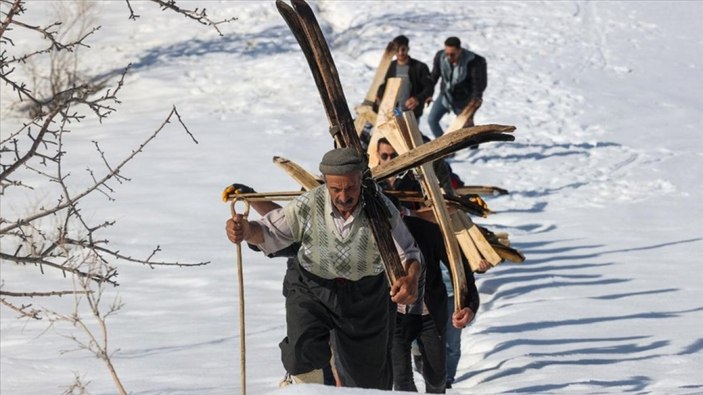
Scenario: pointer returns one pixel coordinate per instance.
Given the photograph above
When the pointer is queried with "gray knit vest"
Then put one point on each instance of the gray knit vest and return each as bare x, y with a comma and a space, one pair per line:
323, 252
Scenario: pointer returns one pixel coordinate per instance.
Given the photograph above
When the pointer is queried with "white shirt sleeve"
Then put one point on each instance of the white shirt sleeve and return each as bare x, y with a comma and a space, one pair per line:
277, 233
404, 241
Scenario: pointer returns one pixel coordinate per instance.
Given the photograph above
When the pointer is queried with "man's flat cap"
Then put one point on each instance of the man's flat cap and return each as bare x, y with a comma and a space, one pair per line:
342, 161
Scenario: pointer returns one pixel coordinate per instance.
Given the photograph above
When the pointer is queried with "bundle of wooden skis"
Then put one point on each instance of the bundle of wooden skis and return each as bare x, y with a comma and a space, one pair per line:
450, 208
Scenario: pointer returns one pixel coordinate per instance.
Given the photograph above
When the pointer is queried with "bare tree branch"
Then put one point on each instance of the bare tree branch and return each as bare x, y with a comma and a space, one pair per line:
25, 311
197, 15
49, 233
15, 9
40, 294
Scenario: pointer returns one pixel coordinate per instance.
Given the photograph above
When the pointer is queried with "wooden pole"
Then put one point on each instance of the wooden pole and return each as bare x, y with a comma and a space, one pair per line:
240, 275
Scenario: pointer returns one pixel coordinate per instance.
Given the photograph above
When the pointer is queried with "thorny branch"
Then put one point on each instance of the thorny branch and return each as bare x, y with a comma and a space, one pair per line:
50, 232
95, 342
54, 235
198, 15
25, 311
39, 294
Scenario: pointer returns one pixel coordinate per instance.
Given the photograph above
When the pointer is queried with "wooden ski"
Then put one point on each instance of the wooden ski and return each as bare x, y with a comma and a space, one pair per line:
364, 112
262, 196
493, 253
508, 253
480, 190
364, 115
385, 113
501, 244
407, 125
380, 75
466, 116
455, 202
443, 146
295, 24
403, 196
306, 179
302, 22
304, 26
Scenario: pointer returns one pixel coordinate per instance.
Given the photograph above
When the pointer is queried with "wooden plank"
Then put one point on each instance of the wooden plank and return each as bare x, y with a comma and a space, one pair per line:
480, 190
262, 196
380, 74
509, 254
465, 242
441, 147
407, 126
364, 115
385, 113
487, 252
466, 117
389, 130
503, 238
306, 179
359, 123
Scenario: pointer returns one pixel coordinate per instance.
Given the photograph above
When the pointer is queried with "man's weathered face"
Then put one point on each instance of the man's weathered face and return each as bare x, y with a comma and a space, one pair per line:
386, 152
345, 191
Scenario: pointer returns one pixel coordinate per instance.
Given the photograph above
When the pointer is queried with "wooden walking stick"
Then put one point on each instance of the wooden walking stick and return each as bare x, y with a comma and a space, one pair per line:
240, 275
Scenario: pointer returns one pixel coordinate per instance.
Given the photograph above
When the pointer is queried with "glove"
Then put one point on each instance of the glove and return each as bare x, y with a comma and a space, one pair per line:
477, 200
236, 189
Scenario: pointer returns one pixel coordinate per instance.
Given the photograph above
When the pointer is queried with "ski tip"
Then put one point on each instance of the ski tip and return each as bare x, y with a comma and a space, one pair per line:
283, 7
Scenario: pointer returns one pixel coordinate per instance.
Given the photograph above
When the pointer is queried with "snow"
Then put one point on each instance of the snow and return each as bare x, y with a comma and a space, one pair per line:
604, 177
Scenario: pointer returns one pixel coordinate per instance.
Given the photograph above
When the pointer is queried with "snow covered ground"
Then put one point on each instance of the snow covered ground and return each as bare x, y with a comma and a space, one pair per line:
604, 177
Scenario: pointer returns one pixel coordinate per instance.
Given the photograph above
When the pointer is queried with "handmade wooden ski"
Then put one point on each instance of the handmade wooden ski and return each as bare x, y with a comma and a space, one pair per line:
385, 113
407, 125
480, 190
443, 146
380, 74
302, 22
466, 117
364, 112
306, 179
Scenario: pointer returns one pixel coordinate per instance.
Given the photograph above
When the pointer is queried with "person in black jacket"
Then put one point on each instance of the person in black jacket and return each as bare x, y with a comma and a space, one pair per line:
417, 86
426, 322
463, 76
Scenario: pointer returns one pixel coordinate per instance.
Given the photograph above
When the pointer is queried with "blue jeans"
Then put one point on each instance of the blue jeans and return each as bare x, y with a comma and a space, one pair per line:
437, 112
453, 337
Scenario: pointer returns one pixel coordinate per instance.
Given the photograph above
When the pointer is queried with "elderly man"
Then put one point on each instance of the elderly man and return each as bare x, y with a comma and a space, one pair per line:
339, 282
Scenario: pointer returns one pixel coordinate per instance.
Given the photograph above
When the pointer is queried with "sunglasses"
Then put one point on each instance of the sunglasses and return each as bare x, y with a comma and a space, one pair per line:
385, 156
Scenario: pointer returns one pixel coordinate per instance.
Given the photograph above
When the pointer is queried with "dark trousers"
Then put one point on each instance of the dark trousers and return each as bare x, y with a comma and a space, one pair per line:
357, 311
409, 327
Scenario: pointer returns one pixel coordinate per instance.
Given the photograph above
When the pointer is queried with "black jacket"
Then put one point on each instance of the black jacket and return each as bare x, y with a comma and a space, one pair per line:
473, 85
429, 239
422, 85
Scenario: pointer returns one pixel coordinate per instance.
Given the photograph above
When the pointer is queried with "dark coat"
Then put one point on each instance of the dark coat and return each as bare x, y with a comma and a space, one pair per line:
429, 239
473, 85
422, 85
